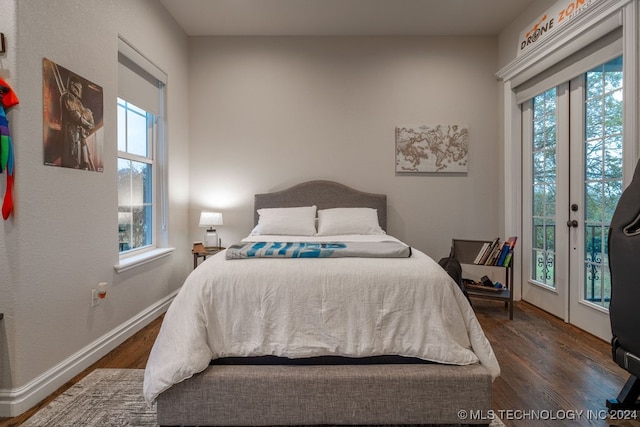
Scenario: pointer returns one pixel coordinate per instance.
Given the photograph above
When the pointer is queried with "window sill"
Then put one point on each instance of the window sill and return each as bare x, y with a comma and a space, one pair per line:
143, 258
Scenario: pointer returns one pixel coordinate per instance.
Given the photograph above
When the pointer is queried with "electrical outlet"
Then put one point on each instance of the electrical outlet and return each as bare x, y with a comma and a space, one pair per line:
95, 300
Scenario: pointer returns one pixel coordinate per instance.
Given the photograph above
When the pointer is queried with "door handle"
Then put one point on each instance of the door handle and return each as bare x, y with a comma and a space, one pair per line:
572, 223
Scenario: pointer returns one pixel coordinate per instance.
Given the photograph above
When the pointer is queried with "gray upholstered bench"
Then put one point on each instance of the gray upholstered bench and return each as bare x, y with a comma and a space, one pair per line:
250, 395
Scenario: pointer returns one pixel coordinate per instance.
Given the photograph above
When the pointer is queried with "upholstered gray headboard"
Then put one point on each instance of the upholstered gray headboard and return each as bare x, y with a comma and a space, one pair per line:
325, 195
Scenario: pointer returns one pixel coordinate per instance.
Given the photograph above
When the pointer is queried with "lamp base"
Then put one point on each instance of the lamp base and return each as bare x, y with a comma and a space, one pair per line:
211, 239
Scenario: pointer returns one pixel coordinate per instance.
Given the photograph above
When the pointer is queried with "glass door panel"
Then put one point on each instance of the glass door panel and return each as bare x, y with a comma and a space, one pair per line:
596, 186
546, 147
603, 173
543, 189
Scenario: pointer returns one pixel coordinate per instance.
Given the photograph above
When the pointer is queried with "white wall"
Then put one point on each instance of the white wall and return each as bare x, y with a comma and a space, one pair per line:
8, 235
269, 112
62, 239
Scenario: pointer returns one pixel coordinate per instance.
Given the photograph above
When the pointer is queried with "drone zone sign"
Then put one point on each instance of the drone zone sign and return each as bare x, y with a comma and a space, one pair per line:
561, 13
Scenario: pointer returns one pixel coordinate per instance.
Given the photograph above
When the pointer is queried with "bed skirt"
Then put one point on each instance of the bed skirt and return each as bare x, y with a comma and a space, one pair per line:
271, 395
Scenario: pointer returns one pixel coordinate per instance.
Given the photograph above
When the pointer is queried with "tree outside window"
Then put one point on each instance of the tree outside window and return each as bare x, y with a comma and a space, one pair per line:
135, 177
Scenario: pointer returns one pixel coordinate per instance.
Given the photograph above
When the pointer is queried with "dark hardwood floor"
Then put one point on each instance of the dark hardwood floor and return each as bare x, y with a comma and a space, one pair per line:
132, 353
550, 369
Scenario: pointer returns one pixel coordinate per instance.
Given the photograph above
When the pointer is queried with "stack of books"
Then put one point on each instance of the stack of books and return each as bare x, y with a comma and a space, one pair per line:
496, 253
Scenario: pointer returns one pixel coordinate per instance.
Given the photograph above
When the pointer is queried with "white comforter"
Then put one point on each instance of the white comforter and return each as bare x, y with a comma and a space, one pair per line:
297, 308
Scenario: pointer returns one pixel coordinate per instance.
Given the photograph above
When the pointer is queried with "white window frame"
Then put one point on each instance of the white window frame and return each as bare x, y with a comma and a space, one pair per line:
157, 153
149, 159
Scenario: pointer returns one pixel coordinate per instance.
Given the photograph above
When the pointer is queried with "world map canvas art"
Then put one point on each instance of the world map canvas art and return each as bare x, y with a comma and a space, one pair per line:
432, 148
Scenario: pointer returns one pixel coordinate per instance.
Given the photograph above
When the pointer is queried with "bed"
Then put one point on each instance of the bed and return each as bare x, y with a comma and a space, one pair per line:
361, 340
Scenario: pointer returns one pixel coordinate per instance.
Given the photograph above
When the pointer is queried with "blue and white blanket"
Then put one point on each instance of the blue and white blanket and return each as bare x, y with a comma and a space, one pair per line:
385, 249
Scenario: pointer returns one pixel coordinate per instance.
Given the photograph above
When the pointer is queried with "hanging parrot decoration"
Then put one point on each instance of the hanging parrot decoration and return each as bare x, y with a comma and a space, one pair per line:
7, 99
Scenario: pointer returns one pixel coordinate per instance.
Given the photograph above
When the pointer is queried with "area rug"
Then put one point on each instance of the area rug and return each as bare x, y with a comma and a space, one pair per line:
106, 398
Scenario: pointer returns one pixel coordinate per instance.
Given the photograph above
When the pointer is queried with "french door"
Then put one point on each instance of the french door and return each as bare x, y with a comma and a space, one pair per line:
573, 178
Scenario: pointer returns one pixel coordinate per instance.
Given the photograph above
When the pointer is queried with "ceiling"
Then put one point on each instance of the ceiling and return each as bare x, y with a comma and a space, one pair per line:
344, 17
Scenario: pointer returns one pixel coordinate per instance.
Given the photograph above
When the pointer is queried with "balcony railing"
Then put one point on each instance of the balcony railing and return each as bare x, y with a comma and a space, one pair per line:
595, 281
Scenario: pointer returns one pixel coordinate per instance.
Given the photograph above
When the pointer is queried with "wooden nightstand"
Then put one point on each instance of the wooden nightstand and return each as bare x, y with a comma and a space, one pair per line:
199, 251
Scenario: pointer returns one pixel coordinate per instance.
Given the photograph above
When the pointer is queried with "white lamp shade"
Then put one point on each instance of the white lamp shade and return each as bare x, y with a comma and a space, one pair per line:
210, 219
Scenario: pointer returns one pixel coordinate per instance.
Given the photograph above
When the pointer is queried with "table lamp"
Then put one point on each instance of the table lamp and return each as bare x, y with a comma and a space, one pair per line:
208, 220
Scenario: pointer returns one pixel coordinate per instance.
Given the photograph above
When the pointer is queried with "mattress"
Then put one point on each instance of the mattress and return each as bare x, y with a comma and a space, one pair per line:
310, 307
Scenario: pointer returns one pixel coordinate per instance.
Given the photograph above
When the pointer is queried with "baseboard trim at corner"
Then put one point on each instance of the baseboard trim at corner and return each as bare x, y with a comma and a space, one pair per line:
16, 401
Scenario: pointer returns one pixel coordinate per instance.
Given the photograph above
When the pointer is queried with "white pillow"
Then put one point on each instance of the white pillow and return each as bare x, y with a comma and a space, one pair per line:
286, 221
339, 221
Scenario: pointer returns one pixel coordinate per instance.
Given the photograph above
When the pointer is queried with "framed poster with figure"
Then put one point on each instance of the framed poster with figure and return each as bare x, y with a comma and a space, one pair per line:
73, 119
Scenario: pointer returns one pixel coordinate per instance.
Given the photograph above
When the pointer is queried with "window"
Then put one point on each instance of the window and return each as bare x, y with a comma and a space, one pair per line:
135, 177
543, 190
141, 160
603, 179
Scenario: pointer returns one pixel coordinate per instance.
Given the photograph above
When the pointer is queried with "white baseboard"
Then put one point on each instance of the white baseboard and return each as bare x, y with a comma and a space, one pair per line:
14, 402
